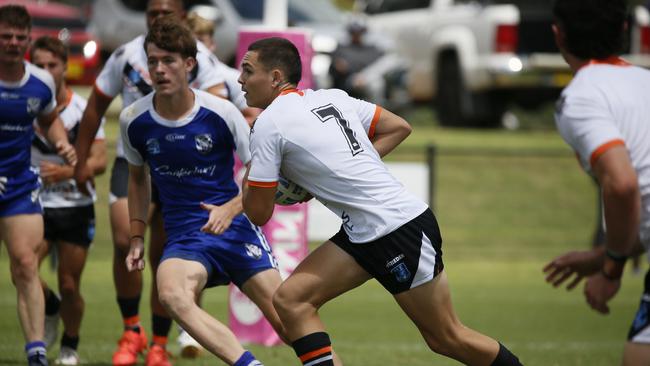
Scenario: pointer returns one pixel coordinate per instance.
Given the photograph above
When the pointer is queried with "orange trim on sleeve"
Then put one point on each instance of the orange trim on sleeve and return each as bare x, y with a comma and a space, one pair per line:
600, 150
373, 123
262, 184
316, 353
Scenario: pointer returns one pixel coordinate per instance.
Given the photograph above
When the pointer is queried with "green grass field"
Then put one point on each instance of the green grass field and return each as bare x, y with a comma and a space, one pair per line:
503, 213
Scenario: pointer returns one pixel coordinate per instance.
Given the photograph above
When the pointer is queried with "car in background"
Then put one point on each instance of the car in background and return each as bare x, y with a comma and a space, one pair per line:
68, 24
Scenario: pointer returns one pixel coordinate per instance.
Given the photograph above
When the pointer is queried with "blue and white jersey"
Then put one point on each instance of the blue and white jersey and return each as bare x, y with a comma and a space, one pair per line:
190, 160
20, 103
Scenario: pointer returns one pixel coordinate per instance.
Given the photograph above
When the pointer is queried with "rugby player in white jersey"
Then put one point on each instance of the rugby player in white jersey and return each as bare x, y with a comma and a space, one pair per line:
126, 73
26, 92
604, 115
185, 140
332, 144
68, 214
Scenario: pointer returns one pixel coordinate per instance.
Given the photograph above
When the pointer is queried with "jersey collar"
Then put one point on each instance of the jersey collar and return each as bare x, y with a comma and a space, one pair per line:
292, 90
613, 60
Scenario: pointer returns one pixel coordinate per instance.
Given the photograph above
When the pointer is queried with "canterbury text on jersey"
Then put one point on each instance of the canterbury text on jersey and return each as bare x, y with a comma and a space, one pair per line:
190, 160
20, 103
608, 105
321, 140
126, 73
64, 193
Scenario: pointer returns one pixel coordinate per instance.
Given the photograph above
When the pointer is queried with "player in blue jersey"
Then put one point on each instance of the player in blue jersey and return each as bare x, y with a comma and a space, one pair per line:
68, 214
125, 73
187, 138
26, 92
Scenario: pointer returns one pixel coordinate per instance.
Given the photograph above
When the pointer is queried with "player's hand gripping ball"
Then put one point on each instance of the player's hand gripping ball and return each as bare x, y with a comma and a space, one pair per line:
289, 193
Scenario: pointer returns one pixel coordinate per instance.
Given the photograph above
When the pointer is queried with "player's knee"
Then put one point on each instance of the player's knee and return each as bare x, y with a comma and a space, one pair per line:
68, 287
287, 303
174, 300
24, 268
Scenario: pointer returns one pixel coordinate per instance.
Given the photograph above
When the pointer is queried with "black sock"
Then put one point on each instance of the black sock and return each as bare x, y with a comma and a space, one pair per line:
52, 302
129, 309
70, 342
505, 358
161, 326
315, 349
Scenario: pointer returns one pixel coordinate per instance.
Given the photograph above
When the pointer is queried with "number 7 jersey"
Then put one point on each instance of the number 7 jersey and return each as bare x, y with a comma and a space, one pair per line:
321, 140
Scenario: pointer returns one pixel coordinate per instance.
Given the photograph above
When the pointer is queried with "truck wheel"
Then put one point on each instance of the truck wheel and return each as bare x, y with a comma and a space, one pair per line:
458, 107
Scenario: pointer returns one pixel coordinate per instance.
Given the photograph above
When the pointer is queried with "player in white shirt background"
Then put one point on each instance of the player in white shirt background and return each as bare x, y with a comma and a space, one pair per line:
126, 73
331, 145
68, 214
186, 139
26, 93
604, 115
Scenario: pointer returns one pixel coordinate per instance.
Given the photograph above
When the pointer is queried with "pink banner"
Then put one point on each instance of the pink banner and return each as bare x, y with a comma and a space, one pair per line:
286, 232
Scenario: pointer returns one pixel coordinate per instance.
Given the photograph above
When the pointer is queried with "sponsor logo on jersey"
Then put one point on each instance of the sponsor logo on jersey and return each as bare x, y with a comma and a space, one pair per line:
33, 106
185, 172
253, 251
401, 272
203, 143
8, 95
394, 261
172, 137
153, 146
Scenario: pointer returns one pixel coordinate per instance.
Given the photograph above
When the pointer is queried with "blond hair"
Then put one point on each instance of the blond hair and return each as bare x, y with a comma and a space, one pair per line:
199, 25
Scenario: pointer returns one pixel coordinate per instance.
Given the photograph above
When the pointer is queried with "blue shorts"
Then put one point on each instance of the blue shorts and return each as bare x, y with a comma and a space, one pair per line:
24, 204
224, 258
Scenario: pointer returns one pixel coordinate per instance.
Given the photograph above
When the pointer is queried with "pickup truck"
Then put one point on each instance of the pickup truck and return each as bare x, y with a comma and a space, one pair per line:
473, 58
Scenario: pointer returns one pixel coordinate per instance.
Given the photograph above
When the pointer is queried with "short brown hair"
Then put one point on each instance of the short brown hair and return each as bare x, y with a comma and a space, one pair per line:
51, 44
171, 35
15, 16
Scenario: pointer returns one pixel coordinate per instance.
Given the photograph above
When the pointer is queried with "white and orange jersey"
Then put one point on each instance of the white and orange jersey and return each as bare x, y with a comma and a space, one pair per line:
126, 73
63, 193
321, 141
607, 105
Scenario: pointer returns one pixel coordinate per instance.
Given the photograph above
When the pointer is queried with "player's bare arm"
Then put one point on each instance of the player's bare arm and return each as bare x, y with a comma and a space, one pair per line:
390, 131
221, 215
52, 173
90, 122
139, 193
218, 90
622, 209
54, 131
258, 202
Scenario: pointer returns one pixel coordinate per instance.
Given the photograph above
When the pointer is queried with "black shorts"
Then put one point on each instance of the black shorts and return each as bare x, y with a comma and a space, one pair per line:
120, 182
406, 258
640, 329
75, 225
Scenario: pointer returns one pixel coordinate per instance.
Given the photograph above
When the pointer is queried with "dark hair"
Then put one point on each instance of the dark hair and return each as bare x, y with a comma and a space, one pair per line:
593, 29
15, 16
51, 44
276, 52
171, 35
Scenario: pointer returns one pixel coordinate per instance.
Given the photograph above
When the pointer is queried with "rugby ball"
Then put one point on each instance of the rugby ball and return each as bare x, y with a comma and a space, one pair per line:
289, 193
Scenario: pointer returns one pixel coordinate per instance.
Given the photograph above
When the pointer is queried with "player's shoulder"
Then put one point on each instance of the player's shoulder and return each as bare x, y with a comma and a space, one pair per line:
136, 109
77, 101
39, 74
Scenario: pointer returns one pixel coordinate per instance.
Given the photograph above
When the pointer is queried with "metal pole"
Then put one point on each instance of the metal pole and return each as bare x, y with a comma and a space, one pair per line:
431, 163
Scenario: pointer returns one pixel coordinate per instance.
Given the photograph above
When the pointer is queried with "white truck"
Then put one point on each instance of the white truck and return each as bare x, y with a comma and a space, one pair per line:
475, 57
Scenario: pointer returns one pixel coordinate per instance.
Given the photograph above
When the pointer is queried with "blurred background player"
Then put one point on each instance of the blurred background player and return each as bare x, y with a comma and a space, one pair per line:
332, 144
68, 214
203, 30
603, 115
187, 139
26, 92
126, 73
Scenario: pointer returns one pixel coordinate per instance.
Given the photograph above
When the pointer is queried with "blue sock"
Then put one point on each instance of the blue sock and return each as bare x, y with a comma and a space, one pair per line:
36, 353
247, 359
